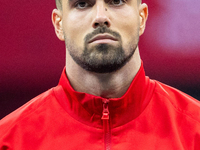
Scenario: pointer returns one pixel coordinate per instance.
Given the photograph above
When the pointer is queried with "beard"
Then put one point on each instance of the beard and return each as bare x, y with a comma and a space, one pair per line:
102, 58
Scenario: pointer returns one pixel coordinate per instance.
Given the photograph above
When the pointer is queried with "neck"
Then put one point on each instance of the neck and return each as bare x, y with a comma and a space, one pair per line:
108, 85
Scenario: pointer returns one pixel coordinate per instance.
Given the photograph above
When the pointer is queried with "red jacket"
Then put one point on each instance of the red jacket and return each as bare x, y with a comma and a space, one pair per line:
150, 116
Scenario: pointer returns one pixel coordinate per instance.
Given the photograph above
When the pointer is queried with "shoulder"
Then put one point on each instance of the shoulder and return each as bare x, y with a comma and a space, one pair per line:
28, 110
180, 101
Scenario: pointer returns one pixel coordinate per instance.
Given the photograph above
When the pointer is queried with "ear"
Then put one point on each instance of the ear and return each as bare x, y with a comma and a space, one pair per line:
57, 23
143, 10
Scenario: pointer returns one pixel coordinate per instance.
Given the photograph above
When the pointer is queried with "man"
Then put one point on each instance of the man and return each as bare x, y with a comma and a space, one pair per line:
103, 99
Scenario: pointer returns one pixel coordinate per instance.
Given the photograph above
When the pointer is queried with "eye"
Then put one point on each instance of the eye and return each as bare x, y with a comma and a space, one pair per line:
117, 2
81, 5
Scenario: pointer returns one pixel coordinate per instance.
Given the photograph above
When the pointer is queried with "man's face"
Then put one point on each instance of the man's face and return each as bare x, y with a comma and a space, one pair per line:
101, 36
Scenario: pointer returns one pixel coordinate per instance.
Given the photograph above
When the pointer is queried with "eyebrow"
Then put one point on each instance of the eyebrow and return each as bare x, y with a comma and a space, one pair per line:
70, 1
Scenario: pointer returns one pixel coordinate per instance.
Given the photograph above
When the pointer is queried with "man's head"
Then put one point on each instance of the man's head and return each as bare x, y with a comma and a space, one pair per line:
100, 35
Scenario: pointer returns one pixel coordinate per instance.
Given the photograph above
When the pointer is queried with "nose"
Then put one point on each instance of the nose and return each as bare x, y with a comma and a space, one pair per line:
101, 16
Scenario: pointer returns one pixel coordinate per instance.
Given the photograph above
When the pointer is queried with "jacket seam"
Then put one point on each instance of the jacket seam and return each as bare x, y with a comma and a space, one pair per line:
181, 111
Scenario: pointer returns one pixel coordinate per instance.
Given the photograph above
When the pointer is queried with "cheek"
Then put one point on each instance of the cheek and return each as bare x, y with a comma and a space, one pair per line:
77, 21
126, 21
75, 27
78, 24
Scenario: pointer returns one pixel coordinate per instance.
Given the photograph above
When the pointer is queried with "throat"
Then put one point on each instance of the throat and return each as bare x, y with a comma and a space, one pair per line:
105, 87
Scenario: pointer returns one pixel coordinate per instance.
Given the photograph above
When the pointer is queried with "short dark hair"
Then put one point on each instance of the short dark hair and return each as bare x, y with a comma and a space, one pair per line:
58, 4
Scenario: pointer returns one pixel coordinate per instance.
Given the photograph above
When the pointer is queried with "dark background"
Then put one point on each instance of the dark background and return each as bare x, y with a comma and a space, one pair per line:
32, 58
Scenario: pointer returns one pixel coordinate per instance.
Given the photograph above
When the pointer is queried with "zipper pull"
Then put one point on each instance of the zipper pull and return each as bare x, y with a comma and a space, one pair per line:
106, 125
105, 114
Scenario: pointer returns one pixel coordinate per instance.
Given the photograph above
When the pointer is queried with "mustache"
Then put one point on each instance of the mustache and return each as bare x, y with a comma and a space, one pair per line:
101, 30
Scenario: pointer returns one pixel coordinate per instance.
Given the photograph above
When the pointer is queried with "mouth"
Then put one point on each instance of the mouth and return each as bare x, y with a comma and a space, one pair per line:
103, 38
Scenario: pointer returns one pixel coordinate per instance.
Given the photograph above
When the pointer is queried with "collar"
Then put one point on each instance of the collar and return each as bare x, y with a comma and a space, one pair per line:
88, 108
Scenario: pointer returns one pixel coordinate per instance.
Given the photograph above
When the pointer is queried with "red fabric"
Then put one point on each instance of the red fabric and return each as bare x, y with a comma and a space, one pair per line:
150, 115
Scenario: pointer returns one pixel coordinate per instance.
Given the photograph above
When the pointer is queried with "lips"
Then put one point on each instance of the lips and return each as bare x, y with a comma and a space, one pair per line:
101, 37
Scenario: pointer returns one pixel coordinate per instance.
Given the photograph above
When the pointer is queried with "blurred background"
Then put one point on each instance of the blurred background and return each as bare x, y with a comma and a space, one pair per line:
32, 58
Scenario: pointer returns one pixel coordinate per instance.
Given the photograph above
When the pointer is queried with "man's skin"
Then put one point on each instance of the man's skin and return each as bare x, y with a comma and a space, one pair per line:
77, 19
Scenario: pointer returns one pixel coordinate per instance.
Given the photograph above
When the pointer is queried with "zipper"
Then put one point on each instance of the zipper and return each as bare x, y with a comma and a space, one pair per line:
106, 125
